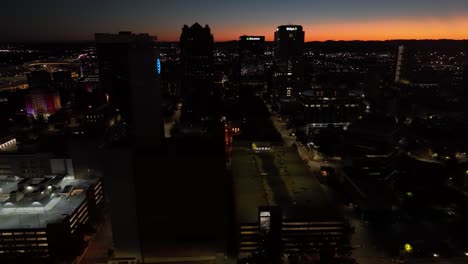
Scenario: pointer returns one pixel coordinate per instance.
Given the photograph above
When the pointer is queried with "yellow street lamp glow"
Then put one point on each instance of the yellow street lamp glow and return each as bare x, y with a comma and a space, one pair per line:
408, 248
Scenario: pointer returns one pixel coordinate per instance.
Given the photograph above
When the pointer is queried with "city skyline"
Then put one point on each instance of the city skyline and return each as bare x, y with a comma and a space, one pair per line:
333, 20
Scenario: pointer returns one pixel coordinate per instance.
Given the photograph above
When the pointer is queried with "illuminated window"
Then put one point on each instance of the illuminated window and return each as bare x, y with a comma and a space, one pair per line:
7, 234
42, 238
41, 233
43, 244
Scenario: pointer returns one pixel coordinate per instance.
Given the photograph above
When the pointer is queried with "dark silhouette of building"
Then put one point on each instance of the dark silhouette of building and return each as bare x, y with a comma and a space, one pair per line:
252, 62
289, 41
196, 57
289, 65
202, 100
165, 195
128, 67
39, 79
251, 45
129, 77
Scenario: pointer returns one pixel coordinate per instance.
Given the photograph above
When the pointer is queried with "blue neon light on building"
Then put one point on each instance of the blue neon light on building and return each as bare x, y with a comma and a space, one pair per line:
158, 66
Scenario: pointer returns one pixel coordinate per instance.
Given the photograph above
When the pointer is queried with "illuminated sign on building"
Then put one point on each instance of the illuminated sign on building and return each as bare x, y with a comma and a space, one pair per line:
158, 66
291, 29
253, 38
265, 221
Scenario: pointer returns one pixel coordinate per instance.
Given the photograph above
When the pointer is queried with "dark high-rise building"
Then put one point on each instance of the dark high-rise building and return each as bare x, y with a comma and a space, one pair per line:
128, 71
128, 68
39, 79
252, 62
196, 57
150, 221
289, 40
254, 45
289, 65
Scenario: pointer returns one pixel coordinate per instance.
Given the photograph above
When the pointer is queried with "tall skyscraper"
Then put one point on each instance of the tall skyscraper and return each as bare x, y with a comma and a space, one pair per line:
163, 203
196, 56
289, 41
252, 62
128, 71
400, 63
289, 65
128, 68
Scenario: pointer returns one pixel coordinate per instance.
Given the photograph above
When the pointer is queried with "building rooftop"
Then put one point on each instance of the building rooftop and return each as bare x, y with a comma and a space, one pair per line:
37, 202
276, 177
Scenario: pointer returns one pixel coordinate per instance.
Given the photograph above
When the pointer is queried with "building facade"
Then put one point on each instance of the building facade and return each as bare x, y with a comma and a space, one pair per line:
289, 65
196, 58
330, 107
252, 62
128, 71
42, 220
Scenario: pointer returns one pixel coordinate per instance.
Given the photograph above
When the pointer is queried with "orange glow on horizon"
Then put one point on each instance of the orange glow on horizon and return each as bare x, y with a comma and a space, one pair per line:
404, 28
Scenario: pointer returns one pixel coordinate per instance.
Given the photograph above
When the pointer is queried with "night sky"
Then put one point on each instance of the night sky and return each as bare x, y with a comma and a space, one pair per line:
63, 20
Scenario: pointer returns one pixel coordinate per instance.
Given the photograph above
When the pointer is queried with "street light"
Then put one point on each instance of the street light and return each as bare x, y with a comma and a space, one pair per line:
408, 248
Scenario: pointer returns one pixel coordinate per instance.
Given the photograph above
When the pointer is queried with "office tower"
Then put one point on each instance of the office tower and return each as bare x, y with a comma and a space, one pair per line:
289, 65
128, 68
252, 62
156, 190
128, 71
289, 41
196, 57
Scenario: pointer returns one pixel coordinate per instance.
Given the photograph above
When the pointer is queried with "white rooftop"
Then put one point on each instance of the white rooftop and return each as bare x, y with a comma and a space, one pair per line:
38, 208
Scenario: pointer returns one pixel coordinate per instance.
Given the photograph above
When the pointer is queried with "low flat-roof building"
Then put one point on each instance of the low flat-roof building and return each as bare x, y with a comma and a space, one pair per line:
42, 219
275, 193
